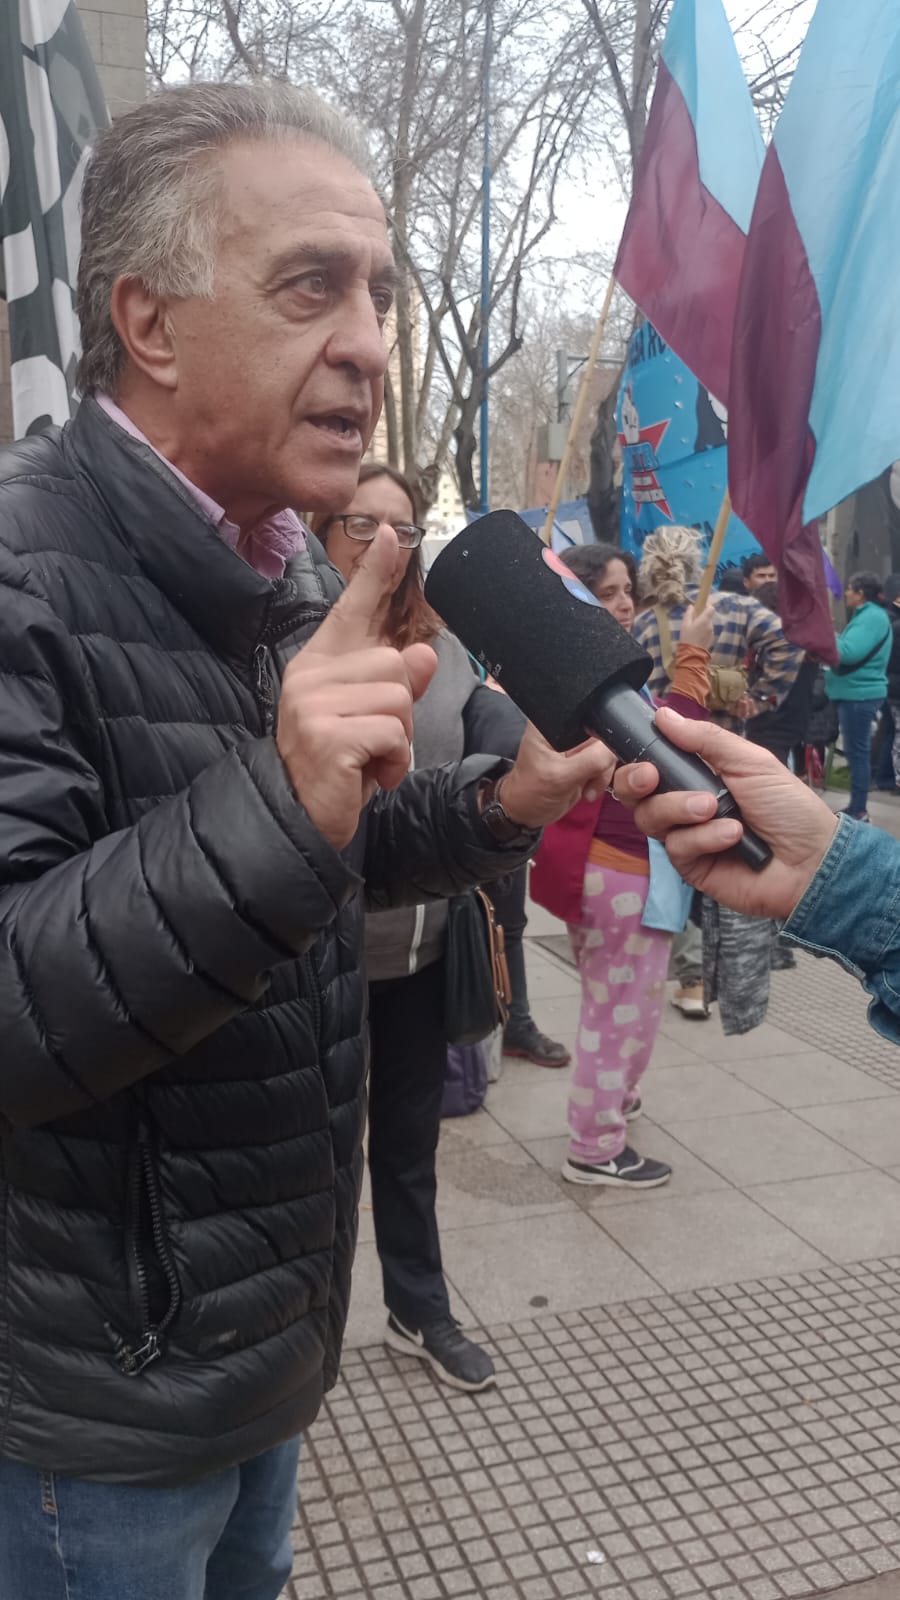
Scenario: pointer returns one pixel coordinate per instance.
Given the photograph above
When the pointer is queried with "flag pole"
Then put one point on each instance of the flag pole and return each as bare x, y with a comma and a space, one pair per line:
715, 550
578, 412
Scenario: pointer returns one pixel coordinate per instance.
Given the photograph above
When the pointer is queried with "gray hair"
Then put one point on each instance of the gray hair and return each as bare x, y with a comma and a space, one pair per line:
671, 562
152, 191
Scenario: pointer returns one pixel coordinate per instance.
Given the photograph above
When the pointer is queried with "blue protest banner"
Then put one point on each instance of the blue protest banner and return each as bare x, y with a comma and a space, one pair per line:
674, 451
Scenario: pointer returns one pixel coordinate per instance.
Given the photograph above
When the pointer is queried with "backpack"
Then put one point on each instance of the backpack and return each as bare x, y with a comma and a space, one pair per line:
726, 684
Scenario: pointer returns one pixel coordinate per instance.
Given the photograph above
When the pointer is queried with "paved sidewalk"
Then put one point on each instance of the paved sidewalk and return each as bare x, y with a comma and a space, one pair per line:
699, 1388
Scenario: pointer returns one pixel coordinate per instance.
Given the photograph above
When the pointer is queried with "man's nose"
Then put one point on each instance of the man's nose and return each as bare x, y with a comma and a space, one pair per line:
357, 339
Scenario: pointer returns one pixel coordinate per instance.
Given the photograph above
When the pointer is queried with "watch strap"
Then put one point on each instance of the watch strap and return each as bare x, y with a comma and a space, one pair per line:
495, 819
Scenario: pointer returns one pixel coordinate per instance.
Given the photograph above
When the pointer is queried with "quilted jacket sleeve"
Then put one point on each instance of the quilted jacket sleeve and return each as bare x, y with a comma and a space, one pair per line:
426, 841
121, 950
492, 724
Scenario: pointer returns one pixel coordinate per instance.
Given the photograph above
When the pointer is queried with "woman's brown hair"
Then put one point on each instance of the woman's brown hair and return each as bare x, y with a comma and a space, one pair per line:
410, 619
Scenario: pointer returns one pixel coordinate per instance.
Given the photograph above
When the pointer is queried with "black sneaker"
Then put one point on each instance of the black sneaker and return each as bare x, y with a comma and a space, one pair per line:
455, 1359
626, 1171
524, 1039
633, 1108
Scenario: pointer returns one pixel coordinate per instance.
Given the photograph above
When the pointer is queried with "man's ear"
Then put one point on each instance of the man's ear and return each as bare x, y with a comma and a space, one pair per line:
144, 326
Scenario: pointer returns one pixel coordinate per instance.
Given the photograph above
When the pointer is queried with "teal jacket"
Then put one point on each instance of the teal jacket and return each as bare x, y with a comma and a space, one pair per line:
851, 911
868, 624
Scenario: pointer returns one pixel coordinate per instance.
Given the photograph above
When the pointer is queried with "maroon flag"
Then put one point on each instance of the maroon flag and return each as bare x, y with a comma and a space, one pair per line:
815, 393
683, 244
770, 447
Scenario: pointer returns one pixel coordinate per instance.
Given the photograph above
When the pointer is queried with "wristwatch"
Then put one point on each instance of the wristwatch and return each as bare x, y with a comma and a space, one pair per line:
501, 826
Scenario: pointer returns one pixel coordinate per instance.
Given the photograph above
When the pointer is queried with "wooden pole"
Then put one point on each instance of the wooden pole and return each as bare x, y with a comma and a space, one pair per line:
715, 550
578, 412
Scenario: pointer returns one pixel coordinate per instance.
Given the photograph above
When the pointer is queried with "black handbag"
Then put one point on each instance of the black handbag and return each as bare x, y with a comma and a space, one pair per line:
476, 977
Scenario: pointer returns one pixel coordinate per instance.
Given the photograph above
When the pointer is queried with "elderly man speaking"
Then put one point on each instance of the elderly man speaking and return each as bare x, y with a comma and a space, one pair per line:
192, 816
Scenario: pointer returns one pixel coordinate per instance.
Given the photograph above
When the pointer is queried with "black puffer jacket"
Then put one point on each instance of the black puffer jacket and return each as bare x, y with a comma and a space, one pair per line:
181, 1008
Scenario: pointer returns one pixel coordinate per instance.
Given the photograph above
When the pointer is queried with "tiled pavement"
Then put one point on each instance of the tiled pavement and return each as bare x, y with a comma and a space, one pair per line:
699, 1388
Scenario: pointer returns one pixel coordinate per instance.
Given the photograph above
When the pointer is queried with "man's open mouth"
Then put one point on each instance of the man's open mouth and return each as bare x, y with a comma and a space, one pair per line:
341, 425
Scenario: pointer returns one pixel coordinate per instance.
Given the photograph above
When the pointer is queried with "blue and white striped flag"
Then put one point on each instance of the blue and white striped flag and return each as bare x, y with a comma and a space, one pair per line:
51, 107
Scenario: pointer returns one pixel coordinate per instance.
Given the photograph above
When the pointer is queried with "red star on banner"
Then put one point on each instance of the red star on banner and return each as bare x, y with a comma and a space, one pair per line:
645, 483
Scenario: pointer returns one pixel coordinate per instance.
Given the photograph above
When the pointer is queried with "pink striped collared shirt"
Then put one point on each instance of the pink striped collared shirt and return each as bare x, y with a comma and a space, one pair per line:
267, 548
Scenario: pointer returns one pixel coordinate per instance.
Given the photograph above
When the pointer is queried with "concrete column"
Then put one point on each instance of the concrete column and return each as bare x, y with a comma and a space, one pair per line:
117, 34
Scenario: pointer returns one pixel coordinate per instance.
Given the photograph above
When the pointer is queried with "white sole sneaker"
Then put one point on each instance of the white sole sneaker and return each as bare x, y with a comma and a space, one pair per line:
694, 1009
405, 1347
596, 1178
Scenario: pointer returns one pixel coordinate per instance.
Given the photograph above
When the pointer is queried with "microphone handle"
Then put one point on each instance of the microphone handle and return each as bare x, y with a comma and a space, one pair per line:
623, 719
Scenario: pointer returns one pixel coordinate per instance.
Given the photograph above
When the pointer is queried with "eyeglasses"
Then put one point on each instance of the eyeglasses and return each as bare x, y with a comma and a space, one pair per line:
364, 529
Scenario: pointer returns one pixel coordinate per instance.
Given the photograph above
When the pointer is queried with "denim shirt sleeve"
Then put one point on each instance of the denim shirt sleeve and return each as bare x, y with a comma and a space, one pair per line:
851, 911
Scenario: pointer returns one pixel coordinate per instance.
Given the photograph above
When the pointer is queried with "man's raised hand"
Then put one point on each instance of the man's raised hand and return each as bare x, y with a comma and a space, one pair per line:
345, 716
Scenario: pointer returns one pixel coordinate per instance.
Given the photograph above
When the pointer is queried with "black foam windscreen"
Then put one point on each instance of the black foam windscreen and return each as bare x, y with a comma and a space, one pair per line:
529, 621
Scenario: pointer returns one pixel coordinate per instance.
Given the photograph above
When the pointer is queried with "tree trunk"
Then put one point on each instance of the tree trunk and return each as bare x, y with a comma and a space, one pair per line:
407, 364
402, 182
604, 494
390, 422
464, 434
427, 484
641, 65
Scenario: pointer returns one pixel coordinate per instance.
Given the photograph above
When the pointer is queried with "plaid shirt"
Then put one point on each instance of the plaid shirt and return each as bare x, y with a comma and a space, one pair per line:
742, 630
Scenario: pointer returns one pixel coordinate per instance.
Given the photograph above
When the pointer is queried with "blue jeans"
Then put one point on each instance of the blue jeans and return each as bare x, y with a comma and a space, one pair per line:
225, 1537
856, 718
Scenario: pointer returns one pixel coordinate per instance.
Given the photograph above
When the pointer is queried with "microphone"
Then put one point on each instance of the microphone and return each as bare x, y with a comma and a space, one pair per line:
564, 660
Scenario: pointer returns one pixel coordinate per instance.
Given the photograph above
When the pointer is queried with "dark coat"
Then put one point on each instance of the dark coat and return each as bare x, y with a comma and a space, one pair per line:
780, 730
893, 667
181, 1006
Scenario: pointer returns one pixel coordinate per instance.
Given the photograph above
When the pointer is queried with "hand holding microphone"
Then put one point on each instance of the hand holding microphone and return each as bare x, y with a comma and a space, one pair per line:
345, 720
543, 785
799, 824
560, 656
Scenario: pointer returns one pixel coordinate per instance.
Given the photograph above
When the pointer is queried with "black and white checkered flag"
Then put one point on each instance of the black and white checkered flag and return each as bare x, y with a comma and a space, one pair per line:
51, 107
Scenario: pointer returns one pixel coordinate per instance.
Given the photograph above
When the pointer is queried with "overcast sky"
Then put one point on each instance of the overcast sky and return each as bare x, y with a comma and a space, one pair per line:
592, 214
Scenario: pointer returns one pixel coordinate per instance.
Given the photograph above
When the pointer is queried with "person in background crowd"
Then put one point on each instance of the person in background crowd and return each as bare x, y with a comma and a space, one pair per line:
191, 809
837, 884
593, 869
732, 581
522, 1038
669, 574
821, 731
781, 731
668, 577
404, 954
686, 968
888, 776
757, 569
858, 684
783, 728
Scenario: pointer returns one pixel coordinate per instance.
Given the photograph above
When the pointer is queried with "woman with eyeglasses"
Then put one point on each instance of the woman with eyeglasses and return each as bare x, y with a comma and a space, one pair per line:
404, 955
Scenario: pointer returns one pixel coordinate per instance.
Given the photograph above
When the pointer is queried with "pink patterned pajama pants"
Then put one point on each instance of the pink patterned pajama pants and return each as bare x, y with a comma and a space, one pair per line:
623, 974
